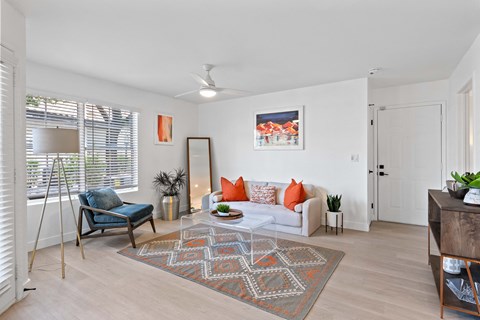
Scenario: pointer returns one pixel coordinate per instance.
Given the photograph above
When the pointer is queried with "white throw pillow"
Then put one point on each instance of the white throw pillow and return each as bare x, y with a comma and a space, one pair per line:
262, 194
217, 198
298, 208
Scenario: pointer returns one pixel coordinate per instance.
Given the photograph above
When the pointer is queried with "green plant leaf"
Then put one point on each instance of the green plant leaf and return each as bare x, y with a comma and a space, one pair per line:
475, 184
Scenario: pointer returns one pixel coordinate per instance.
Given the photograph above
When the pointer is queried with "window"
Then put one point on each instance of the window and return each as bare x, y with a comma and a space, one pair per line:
108, 155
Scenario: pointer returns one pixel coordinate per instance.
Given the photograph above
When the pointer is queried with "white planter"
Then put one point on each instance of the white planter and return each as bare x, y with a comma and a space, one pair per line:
332, 218
472, 197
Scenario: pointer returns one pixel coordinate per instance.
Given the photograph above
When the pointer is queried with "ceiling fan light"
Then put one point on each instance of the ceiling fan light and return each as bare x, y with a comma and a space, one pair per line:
207, 92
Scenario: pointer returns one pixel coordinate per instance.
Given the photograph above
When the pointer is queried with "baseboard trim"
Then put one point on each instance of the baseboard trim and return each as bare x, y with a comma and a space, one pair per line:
53, 240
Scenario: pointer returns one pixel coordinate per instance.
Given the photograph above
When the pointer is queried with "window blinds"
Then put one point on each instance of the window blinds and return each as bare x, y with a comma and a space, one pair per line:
50, 113
7, 162
109, 145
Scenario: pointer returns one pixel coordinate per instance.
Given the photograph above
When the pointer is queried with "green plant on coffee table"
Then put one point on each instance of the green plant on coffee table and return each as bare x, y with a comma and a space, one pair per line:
467, 180
223, 208
334, 202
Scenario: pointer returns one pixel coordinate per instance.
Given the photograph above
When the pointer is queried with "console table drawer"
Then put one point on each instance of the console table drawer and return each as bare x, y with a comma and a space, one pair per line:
460, 236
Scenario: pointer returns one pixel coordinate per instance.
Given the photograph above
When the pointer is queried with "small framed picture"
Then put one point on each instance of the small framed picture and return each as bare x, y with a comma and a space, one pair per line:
164, 129
279, 129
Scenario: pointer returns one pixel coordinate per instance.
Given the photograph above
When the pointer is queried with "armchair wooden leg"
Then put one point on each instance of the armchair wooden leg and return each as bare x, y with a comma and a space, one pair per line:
103, 230
130, 234
79, 225
153, 225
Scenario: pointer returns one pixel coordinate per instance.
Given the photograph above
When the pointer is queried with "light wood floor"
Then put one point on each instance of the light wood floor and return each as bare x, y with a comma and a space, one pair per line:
384, 275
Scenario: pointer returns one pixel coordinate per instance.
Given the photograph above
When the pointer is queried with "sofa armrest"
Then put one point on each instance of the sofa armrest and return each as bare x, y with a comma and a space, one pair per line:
311, 216
210, 198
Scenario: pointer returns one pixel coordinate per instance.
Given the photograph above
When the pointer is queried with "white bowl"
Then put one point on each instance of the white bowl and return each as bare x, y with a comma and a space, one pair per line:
223, 214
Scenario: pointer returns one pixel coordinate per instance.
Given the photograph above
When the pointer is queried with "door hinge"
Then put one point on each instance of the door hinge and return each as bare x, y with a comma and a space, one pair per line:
371, 122
372, 205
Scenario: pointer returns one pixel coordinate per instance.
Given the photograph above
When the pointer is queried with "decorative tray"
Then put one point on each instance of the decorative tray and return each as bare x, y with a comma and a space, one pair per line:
233, 214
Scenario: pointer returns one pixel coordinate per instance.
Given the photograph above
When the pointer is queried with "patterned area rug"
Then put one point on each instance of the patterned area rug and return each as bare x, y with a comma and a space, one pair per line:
285, 282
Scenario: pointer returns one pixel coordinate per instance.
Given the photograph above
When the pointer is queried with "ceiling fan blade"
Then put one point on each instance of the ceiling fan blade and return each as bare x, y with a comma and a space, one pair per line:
199, 79
185, 93
233, 91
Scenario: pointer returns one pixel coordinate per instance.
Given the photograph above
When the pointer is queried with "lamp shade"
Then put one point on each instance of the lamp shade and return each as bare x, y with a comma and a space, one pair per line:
55, 140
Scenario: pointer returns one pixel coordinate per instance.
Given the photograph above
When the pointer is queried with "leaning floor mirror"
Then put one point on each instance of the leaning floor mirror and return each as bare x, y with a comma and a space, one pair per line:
199, 171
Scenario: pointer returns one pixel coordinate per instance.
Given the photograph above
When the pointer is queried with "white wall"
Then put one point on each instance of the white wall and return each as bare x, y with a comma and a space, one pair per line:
335, 127
13, 36
152, 158
467, 70
411, 94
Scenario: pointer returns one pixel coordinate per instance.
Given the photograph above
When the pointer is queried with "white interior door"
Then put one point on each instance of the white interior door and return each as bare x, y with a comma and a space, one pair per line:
409, 161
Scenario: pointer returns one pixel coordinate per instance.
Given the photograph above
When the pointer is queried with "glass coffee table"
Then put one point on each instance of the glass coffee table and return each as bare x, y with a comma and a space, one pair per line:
249, 224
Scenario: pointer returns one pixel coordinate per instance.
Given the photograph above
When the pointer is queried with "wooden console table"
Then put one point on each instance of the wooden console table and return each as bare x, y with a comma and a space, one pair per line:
456, 230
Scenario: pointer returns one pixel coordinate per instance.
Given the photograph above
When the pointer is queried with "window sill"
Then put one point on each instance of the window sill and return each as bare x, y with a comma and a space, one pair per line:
54, 199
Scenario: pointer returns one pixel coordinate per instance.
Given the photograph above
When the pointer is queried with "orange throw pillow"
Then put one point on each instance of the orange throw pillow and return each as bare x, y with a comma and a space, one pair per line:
294, 194
231, 192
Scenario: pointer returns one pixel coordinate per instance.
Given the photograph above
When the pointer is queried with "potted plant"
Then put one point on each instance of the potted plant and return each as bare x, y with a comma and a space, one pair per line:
472, 182
169, 185
223, 209
333, 202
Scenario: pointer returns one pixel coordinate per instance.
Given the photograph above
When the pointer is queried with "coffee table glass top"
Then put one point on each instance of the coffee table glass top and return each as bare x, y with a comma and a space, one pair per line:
246, 222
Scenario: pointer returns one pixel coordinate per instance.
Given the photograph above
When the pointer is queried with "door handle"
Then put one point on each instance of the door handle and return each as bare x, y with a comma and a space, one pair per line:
370, 171
382, 174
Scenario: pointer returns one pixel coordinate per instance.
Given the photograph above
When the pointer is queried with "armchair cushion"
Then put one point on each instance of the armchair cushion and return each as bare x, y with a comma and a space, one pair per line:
134, 211
105, 199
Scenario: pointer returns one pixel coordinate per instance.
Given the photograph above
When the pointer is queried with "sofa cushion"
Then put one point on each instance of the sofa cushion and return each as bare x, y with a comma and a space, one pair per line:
310, 190
249, 184
105, 198
134, 211
263, 194
294, 195
282, 215
233, 192
279, 191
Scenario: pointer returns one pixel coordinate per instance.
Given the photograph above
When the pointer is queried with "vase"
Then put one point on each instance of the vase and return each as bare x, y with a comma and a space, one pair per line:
451, 265
171, 208
332, 218
472, 197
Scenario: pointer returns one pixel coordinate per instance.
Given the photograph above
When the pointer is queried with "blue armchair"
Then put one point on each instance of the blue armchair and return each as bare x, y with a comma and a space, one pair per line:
102, 214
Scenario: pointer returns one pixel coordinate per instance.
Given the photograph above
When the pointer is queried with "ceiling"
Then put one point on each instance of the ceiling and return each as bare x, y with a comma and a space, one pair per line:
258, 46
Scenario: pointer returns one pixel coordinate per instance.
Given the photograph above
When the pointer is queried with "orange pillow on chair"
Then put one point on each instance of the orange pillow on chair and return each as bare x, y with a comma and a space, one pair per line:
231, 192
294, 194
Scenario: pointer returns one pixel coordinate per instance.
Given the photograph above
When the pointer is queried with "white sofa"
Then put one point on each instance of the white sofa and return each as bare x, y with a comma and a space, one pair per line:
303, 221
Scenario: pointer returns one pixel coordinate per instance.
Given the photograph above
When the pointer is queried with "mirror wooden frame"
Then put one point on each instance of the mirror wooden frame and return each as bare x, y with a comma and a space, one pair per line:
188, 166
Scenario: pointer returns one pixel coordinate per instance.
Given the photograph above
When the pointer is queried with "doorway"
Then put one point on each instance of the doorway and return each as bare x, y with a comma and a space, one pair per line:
408, 161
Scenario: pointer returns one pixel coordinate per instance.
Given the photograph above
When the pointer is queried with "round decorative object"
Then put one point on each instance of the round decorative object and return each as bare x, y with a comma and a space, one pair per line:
332, 218
451, 266
171, 208
233, 214
472, 197
223, 214
462, 264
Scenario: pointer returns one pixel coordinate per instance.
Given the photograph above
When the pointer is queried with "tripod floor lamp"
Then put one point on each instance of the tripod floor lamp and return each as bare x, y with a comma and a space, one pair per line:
56, 141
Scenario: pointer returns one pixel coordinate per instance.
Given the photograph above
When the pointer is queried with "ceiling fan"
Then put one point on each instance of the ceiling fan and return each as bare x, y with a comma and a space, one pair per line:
207, 86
